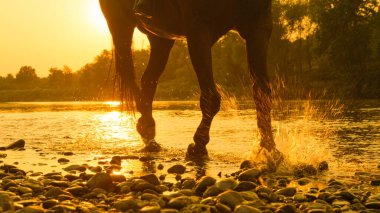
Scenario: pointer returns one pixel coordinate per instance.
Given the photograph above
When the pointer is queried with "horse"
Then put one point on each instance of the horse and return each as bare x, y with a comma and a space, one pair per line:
201, 23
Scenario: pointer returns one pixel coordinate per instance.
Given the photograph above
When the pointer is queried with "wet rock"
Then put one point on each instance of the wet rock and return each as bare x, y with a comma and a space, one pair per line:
188, 184
375, 182
35, 186
212, 191
5, 202
160, 167
150, 209
151, 178
118, 178
287, 208
373, 205
58, 183
249, 175
323, 166
177, 169
75, 168
55, 192
3, 155
71, 177
246, 209
303, 170
77, 191
299, 197
24, 190
16, 145
47, 204
245, 186
247, 164
288, 192
303, 181
182, 201
68, 153
100, 180
223, 208
63, 160
31, 209
149, 197
95, 169
116, 160
225, 184
230, 198
203, 183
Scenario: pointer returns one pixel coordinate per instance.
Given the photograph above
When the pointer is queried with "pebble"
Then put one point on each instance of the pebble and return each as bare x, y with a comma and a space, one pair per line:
63, 160
177, 169
225, 184
126, 204
75, 168
182, 201
288, 192
100, 180
230, 198
151, 178
249, 175
203, 183
16, 145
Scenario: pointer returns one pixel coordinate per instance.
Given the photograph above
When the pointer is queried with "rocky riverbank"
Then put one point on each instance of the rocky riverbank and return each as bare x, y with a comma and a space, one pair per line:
83, 188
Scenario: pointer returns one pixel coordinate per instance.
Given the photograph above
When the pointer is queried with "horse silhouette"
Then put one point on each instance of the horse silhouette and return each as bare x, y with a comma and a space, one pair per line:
201, 23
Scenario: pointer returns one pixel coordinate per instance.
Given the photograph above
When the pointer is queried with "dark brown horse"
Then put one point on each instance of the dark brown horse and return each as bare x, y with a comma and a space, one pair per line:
201, 23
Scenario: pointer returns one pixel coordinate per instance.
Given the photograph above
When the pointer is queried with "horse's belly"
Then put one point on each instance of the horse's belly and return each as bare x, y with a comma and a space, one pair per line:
166, 21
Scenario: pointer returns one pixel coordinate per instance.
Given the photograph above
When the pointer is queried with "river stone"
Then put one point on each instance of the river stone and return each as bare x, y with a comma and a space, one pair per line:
100, 180
150, 209
223, 208
182, 201
77, 191
151, 178
212, 191
54, 192
287, 208
5, 202
299, 197
24, 190
249, 175
125, 205
31, 209
63, 160
47, 204
247, 164
323, 166
249, 195
375, 182
340, 203
288, 191
79, 168
177, 169
245, 186
246, 209
188, 184
16, 145
203, 183
169, 211
116, 160
303, 181
225, 184
230, 198
373, 205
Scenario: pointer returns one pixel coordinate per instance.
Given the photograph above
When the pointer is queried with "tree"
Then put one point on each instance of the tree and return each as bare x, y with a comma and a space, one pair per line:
26, 77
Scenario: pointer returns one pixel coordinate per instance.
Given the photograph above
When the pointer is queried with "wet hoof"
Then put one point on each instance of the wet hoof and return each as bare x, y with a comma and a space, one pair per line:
269, 161
196, 153
151, 146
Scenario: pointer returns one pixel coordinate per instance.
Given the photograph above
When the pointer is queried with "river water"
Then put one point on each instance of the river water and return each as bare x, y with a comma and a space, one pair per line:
345, 135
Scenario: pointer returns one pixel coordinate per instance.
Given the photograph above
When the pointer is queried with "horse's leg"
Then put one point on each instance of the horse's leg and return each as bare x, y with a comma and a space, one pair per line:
257, 46
160, 49
200, 53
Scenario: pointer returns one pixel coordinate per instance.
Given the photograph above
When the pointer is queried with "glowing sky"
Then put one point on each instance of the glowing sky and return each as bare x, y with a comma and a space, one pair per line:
51, 33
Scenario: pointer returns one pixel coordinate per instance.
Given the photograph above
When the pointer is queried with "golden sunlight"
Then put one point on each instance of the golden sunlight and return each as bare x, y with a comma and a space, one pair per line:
95, 16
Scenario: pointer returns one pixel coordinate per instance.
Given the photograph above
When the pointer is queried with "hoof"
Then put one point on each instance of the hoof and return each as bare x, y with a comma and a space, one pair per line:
269, 161
196, 153
151, 146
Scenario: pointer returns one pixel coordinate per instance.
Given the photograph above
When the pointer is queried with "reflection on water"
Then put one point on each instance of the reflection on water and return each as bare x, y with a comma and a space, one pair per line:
306, 132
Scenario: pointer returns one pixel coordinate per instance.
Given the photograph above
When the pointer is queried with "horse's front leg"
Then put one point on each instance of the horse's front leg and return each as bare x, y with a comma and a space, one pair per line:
200, 53
160, 49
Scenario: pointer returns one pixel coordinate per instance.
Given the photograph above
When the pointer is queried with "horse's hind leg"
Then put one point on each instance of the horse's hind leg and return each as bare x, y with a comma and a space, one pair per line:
160, 49
200, 53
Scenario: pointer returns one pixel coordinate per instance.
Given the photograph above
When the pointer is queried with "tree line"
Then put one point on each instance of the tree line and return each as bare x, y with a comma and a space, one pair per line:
316, 46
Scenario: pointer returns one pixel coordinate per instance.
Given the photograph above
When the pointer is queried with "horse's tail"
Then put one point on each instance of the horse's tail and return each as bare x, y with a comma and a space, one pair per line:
121, 23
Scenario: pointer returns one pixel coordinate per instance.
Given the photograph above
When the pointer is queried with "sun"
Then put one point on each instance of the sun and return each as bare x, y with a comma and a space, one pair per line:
95, 16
